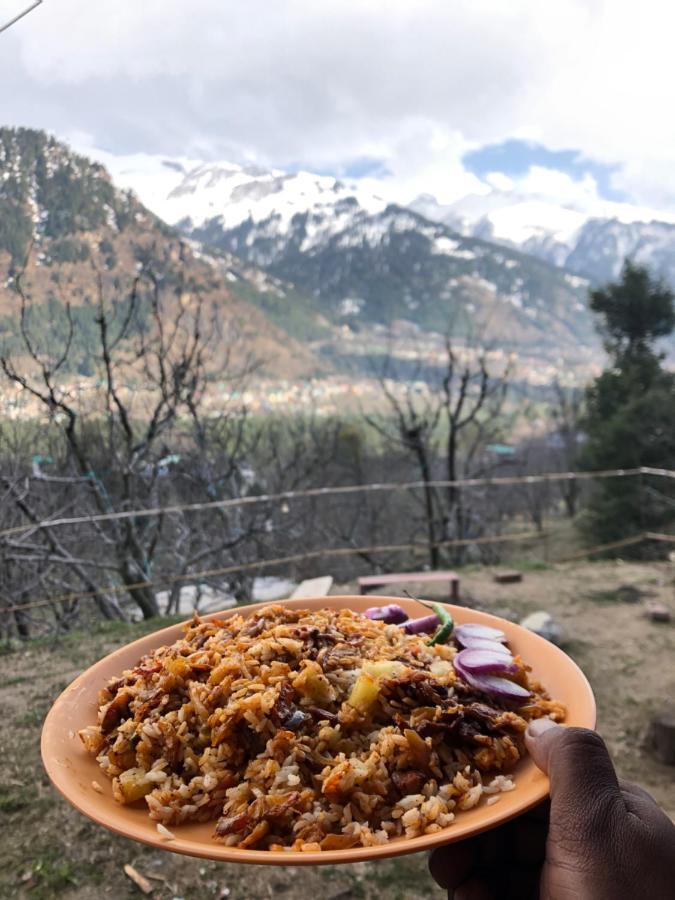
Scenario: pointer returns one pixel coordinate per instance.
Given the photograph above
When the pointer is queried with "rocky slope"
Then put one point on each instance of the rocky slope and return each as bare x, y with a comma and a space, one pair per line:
378, 267
592, 246
65, 226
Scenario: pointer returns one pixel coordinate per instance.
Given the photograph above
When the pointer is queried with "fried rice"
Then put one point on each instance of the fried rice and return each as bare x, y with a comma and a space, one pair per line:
307, 730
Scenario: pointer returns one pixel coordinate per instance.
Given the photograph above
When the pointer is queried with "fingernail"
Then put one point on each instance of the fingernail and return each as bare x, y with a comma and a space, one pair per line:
538, 726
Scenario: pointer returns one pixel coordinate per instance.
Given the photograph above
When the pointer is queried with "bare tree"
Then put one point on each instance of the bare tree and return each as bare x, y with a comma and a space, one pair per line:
532, 498
414, 415
444, 423
567, 409
151, 361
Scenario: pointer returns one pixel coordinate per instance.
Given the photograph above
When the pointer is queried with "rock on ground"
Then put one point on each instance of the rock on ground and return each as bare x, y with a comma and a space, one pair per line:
544, 624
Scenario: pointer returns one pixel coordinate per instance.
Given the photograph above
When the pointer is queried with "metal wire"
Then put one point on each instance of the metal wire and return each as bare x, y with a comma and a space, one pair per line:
344, 551
331, 491
19, 16
267, 563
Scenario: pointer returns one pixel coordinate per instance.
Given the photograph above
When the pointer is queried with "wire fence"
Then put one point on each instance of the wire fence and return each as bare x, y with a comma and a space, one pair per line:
334, 553
328, 553
383, 487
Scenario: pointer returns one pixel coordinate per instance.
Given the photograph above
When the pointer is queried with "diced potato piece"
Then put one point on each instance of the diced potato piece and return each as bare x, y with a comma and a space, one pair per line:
384, 668
364, 693
131, 786
124, 760
366, 687
178, 666
92, 738
442, 670
312, 683
419, 748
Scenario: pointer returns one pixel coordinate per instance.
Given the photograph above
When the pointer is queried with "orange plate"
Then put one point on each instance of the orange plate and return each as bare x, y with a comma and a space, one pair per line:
72, 770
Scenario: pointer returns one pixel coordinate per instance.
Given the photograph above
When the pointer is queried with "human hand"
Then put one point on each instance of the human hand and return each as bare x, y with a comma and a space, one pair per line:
596, 839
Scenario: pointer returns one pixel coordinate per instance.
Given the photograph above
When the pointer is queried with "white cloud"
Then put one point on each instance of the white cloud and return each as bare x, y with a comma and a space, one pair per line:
500, 182
320, 84
581, 193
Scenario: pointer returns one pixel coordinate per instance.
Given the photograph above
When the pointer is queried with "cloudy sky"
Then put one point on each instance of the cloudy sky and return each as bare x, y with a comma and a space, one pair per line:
573, 98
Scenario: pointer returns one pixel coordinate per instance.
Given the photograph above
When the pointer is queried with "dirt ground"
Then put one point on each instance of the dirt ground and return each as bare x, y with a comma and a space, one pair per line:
49, 850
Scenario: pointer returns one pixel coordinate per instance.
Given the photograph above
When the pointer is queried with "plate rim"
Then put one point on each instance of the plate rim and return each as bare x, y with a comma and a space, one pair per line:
453, 833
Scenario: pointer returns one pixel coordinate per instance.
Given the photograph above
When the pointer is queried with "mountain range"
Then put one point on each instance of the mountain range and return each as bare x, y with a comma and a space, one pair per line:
591, 246
310, 263
364, 262
590, 240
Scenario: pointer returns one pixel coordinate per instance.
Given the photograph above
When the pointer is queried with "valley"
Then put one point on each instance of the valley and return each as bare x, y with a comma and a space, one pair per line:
317, 285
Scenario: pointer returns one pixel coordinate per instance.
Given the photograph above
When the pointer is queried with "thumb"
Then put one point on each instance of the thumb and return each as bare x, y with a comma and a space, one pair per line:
584, 786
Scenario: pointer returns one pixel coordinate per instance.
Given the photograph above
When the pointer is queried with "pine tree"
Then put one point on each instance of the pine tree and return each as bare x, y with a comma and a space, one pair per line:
630, 419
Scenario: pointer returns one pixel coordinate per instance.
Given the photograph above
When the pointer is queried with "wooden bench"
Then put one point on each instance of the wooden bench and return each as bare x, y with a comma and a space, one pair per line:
369, 582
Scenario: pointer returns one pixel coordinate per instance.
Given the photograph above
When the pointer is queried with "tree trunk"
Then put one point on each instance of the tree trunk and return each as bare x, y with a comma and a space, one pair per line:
22, 626
570, 497
454, 498
146, 600
142, 595
434, 556
173, 605
451, 466
109, 607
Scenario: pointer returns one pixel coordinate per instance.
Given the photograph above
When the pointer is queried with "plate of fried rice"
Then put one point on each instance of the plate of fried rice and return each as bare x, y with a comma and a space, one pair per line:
307, 731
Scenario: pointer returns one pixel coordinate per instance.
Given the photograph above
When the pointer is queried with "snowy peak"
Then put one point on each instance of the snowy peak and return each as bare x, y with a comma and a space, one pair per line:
193, 193
506, 217
592, 240
73, 233
603, 244
586, 234
232, 194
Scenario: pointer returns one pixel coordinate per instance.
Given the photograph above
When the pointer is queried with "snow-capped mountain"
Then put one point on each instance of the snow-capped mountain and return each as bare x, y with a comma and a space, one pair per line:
602, 244
191, 193
365, 262
367, 268
592, 241
590, 238
534, 224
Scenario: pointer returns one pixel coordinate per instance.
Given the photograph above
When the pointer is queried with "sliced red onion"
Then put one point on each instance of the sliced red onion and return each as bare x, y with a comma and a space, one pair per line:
498, 687
485, 662
392, 614
475, 630
425, 625
494, 685
472, 643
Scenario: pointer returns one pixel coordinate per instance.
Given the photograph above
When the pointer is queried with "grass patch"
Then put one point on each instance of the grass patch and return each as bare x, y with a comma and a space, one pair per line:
14, 798
626, 593
530, 565
602, 597
19, 679
115, 632
398, 877
576, 648
32, 718
53, 875
50, 873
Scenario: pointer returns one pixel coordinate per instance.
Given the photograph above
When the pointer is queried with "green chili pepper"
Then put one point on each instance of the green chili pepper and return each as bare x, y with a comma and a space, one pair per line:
445, 628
